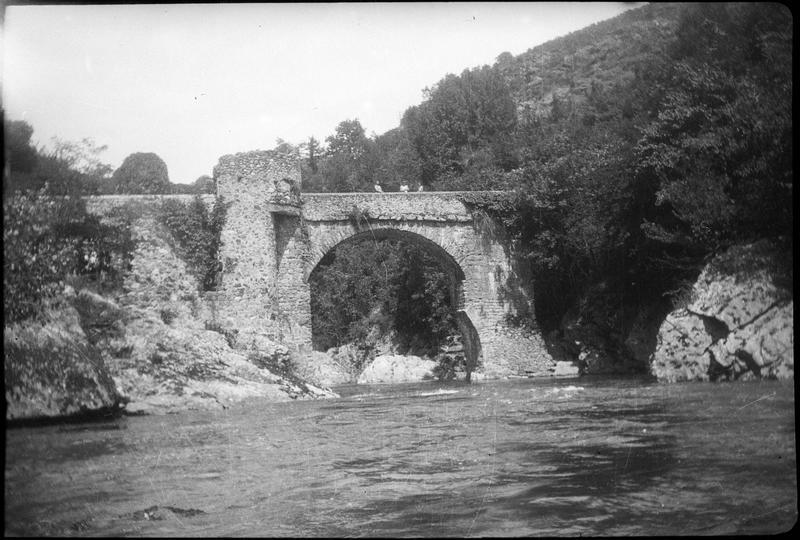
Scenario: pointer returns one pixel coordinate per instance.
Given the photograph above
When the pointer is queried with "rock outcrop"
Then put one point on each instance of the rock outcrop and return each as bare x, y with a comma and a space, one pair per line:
739, 323
320, 368
397, 369
92, 354
52, 370
161, 367
566, 369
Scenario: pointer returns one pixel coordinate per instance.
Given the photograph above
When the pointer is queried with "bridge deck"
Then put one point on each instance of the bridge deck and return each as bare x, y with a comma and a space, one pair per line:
394, 205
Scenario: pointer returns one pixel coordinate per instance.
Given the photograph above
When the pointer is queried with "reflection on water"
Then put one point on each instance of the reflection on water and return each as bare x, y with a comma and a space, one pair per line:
510, 458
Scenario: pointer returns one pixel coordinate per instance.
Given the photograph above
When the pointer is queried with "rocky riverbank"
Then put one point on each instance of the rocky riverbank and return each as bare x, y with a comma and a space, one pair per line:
89, 354
739, 323
150, 350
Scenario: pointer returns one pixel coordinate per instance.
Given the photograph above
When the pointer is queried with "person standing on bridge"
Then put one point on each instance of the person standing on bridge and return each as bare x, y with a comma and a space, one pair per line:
378, 187
419, 188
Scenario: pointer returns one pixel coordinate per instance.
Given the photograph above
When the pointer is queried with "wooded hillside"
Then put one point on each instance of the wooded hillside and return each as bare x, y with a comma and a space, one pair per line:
638, 147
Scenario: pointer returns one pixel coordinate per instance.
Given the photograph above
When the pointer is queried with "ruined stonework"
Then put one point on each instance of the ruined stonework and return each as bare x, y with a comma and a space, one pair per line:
274, 238
258, 188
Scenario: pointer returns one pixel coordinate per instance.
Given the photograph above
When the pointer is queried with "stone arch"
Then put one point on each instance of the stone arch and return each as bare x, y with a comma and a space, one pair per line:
325, 237
447, 260
441, 254
271, 242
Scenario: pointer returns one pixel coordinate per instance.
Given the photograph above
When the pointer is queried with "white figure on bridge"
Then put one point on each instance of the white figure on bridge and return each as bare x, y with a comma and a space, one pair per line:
419, 188
378, 187
404, 188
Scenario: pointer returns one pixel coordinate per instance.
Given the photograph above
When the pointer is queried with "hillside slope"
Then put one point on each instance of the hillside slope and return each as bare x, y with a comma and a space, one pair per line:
639, 147
607, 54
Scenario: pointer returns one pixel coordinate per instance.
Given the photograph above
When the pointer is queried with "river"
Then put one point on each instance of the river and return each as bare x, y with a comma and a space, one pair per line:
568, 457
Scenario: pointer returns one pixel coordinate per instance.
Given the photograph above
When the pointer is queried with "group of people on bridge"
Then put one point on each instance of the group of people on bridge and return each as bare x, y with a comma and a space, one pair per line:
403, 188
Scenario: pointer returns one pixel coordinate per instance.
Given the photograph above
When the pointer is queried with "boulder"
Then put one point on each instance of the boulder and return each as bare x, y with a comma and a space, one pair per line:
682, 348
320, 368
739, 323
52, 370
397, 369
173, 369
566, 369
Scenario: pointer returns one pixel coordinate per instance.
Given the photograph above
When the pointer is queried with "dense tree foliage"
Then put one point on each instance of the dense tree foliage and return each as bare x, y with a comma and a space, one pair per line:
719, 152
66, 167
348, 162
362, 291
48, 238
196, 231
466, 122
142, 172
638, 148
20, 153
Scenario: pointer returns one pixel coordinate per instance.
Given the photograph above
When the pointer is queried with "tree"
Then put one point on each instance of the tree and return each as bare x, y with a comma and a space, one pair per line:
313, 153
349, 139
463, 120
75, 167
47, 238
20, 154
204, 184
350, 159
388, 285
142, 173
719, 153
398, 162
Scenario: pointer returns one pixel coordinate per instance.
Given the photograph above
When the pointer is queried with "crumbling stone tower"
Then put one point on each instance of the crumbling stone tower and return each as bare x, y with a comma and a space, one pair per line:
261, 188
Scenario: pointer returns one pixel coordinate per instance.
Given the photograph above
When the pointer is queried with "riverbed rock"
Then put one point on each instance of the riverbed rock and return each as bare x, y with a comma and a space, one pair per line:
682, 348
397, 369
739, 323
166, 364
320, 368
566, 369
52, 370
172, 369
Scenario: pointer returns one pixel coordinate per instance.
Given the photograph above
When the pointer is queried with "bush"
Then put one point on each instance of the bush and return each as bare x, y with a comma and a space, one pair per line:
448, 365
47, 238
197, 233
168, 315
142, 172
230, 335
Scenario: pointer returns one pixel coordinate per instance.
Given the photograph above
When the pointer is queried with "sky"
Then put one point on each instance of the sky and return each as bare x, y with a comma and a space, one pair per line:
193, 82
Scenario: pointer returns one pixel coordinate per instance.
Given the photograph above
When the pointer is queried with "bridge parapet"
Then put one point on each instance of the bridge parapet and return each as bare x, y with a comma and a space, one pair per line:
424, 206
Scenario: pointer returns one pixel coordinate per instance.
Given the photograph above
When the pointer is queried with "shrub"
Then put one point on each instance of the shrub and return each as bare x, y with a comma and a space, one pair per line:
168, 315
142, 172
448, 365
230, 335
197, 234
48, 238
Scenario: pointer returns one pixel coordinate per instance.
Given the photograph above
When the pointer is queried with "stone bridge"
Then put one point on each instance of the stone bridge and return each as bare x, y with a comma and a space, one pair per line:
275, 236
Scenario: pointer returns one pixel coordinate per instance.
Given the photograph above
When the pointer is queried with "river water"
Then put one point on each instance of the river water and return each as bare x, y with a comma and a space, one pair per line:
562, 457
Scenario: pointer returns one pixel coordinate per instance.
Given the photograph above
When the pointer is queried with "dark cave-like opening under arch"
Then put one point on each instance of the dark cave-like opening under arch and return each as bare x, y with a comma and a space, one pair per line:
447, 263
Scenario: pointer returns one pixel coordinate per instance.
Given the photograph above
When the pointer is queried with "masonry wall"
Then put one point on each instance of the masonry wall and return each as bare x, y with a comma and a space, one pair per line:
489, 295
273, 240
250, 183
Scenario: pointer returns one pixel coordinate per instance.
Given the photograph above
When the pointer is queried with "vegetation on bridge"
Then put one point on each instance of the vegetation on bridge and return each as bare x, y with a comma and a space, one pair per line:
197, 233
